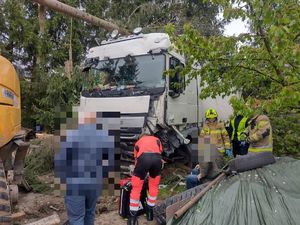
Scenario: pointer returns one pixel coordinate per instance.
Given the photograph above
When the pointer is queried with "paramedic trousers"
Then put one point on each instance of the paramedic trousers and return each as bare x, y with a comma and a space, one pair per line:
145, 163
81, 209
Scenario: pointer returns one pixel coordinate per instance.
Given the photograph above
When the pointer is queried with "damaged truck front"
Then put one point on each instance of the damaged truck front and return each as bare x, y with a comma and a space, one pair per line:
126, 75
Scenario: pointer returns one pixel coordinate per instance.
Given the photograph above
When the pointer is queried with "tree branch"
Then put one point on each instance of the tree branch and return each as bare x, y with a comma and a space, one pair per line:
135, 11
297, 82
261, 73
298, 35
265, 40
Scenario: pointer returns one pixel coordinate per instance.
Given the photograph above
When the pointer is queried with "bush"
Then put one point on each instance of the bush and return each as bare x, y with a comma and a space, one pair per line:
39, 161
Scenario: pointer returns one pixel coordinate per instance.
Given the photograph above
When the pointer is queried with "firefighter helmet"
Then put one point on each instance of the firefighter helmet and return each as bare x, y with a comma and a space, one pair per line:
211, 113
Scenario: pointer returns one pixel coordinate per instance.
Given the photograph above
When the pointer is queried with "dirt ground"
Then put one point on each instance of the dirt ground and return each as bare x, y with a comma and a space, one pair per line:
37, 206
43, 202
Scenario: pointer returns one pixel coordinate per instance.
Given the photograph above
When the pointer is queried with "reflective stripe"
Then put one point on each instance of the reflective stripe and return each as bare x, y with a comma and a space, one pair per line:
215, 131
152, 198
260, 149
150, 203
240, 129
134, 201
133, 208
206, 130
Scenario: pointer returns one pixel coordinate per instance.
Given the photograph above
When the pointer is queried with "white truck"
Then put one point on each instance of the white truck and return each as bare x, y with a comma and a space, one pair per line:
126, 74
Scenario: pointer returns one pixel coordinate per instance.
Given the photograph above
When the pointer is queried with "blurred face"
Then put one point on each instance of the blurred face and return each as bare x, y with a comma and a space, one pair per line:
87, 117
212, 120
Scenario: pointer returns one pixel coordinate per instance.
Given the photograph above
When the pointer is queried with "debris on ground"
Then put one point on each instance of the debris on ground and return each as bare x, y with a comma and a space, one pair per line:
42, 202
49, 220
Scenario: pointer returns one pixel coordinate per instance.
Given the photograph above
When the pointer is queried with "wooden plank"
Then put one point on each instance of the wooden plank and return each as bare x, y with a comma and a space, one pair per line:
18, 216
50, 220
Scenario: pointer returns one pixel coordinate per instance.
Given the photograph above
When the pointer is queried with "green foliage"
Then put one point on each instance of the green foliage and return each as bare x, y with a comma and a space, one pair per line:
60, 91
37, 163
154, 15
39, 56
263, 64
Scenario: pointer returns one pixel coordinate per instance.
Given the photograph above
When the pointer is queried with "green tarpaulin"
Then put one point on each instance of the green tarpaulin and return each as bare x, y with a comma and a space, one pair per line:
265, 196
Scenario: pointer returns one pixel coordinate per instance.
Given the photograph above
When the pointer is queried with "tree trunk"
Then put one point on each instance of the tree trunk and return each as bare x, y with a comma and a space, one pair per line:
76, 13
42, 18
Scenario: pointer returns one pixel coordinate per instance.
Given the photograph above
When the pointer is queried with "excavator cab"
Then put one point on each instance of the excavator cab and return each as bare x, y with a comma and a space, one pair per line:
10, 107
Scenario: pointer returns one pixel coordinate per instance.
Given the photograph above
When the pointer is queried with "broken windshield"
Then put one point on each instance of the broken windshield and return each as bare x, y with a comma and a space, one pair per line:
144, 71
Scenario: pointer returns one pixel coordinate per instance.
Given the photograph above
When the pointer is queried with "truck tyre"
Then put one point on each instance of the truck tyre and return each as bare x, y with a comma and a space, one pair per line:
183, 155
5, 206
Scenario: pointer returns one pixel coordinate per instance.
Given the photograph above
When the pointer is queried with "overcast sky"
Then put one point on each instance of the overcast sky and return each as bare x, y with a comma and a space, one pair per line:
235, 28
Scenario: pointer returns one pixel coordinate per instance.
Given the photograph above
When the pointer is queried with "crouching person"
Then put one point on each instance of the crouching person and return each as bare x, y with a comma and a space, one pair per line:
194, 179
202, 173
147, 154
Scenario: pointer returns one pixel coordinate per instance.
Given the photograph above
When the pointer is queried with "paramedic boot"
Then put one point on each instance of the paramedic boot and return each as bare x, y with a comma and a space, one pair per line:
132, 220
149, 211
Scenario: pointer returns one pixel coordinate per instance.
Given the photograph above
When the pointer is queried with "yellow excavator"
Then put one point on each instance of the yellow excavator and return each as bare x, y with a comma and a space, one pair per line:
13, 147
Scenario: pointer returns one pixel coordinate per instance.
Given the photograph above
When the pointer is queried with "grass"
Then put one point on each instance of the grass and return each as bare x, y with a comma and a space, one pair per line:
170, 179
166, 193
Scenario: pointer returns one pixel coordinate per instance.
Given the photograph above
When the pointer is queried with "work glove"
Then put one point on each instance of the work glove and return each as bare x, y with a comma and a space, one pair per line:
228, 152
243, 143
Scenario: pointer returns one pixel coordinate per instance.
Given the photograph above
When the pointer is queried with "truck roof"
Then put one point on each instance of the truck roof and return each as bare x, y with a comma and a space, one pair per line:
130, 45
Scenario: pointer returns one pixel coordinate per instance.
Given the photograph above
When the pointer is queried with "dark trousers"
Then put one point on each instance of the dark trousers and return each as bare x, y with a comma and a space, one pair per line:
239, 148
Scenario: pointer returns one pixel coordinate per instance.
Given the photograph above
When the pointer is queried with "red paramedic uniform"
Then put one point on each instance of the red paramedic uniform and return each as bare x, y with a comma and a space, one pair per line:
147, 154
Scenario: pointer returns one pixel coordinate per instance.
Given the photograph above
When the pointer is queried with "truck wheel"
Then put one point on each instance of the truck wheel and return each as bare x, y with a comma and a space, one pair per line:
183, 155
5, 206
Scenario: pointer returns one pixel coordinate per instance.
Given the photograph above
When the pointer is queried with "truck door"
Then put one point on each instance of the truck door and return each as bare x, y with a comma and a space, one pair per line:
182, 97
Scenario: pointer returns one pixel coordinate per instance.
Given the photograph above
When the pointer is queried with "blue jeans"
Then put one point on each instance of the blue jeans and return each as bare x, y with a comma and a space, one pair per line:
81, 209
192, 179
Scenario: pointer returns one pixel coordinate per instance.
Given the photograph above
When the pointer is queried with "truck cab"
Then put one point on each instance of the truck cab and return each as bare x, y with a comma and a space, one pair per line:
127, 75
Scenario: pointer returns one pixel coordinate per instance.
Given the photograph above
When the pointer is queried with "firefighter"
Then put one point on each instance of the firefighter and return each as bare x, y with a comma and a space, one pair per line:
147, 154
218, 136
237, 127
259, 134
217, 132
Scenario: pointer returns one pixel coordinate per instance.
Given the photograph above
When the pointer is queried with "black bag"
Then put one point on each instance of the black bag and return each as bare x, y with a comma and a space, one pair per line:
125, 199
